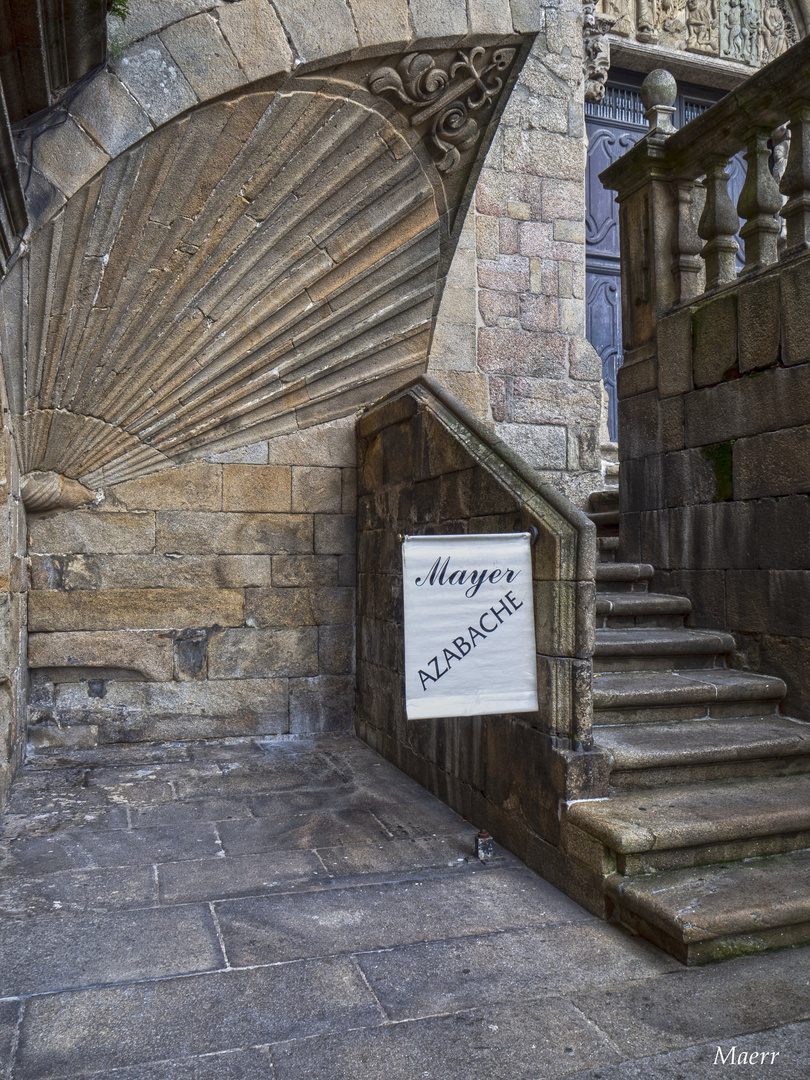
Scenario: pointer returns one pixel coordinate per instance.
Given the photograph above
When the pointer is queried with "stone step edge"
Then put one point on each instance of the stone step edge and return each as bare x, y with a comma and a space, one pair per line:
660, 641
693, 691
784, 744
620, 571
628, 836
750, 903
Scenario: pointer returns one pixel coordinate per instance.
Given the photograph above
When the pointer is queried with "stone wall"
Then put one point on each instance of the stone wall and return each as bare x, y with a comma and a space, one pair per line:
214, 599
715, 445
510, 336
13, 636
426, 465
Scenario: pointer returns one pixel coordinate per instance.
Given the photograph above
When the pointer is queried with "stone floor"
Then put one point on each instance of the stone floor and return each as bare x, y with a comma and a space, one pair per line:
298, 908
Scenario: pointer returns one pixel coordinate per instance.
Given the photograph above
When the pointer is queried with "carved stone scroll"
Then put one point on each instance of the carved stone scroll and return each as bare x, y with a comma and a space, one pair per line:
452, 98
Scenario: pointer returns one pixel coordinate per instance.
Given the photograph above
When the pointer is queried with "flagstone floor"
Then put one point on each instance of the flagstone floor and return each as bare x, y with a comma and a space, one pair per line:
298, 908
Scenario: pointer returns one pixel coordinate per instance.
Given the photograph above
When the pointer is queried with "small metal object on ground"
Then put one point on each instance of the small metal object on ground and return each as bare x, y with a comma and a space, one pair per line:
483, 846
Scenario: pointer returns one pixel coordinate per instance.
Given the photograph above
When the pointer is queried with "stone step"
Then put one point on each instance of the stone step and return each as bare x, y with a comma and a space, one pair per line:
606, 548
688, 824
648, 648
605, 518
630, 697
623, 577
604, 501
712, 913
625, 609
658, 755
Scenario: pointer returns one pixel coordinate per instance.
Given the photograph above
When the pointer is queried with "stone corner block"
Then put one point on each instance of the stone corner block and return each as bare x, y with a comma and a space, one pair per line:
331, 34
68, 157
758, 322
795, 287
110, 115
675, 354
715, 352
203, 55
256, 37
150, 73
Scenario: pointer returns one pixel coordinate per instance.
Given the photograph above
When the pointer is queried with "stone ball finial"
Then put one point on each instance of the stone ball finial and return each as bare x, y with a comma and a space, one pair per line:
658, 93
659, 88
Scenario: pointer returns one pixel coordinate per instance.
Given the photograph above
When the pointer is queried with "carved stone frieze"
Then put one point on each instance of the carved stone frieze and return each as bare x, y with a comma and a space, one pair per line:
751, 32
596, 52
452, 100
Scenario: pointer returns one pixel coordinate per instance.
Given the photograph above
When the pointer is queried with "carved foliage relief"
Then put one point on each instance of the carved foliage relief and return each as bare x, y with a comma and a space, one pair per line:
751, 32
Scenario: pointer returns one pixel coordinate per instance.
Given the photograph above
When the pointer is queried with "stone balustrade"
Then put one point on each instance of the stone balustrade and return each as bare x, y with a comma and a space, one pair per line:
714, 391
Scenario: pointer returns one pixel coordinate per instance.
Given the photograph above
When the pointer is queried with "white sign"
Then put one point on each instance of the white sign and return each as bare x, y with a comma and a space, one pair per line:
469, 625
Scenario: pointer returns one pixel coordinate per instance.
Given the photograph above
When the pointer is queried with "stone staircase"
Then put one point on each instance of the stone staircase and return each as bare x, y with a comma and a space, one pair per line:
704, 841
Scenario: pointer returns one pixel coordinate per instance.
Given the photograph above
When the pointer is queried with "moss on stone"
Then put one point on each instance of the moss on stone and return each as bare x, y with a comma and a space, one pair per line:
719, 454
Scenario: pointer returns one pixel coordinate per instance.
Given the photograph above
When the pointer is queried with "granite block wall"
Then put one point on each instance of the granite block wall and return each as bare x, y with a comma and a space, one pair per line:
214, 599
426, 465
510, 334
715, 445
13, 635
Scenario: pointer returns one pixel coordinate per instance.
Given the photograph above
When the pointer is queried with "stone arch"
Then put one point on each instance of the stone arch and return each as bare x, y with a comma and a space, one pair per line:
265, 257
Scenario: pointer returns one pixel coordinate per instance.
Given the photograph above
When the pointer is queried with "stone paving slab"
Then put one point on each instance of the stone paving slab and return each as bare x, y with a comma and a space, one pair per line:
269, 929
66, 1035
244, 875
307, 830
252, 1063
695, 1005
82, 848
789, 1044
388, 951
510, 1042
430, 978
77, 891
58, 952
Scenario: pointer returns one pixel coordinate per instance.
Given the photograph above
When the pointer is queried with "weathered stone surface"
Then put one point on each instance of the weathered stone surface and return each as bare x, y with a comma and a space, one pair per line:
380, 20
232, 533
316, 490
136, 609
777, 463
326, 444
263, 489
335, 534
288, 607
304, 570
437, 20
150, 654
794, 282
256, 37
759, 323
715, 350
250, 653
675, 354
203, 55
109, 114
323, 703
91, 532
151, 75
109, 948
188, 487
68, 157
332, 33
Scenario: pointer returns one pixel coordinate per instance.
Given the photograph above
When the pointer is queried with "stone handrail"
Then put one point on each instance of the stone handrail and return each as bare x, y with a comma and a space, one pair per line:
678, 231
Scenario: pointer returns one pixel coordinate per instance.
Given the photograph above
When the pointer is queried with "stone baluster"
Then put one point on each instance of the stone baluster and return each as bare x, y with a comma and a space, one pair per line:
758, 204
687, 266
796, 183
718, 226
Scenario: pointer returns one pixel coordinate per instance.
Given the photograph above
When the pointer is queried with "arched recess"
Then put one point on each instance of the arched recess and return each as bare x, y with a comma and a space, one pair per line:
263, 262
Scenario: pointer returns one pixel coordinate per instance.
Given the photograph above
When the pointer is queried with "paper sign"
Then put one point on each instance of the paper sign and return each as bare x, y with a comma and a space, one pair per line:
469, 625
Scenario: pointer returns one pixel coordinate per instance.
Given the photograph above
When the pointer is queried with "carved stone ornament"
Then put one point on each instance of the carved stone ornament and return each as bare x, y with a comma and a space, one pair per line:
41, 491
596, 52
452, 99
750, 32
